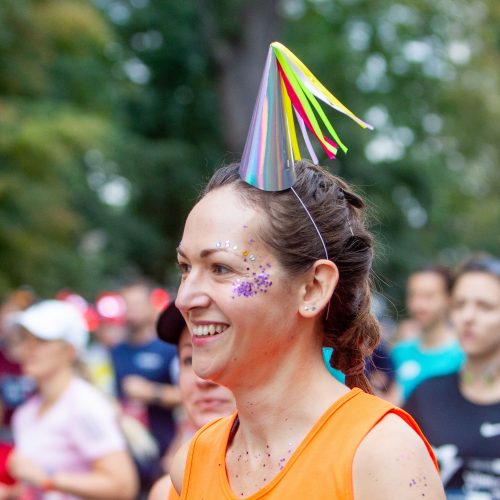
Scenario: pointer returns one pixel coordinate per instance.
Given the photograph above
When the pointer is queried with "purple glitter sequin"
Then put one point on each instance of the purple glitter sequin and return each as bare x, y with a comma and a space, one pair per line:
259, 284
243, 289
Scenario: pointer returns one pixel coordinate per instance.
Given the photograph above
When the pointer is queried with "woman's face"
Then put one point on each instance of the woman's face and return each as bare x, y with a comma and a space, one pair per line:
237, 301
203, 400
475, 313
41, 359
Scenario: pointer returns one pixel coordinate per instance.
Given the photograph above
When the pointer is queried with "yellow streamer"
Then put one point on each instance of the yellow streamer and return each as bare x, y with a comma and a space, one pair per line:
314, 81
287, 105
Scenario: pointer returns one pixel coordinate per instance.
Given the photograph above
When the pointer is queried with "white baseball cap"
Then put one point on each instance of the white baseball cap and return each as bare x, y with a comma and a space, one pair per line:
55, 320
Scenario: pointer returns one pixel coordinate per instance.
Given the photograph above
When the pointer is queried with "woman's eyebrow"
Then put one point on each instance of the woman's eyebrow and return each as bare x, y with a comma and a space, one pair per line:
203, 253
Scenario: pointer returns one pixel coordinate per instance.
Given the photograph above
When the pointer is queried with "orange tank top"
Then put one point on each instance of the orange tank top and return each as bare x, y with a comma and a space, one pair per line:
320, 468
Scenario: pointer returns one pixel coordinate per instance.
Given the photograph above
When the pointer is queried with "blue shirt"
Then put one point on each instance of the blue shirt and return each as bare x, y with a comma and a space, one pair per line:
155, 361
414, 364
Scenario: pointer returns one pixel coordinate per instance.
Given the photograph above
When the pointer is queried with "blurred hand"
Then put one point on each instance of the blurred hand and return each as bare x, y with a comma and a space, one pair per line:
24, 469
139, 388
8, 492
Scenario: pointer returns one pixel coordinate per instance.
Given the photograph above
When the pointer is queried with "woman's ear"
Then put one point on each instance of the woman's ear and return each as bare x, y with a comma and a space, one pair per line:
318, 287
71, 352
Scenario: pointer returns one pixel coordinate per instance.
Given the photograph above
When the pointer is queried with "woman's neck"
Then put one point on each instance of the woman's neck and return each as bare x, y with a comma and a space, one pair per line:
289, 402
51, 388
437, 335
480, 378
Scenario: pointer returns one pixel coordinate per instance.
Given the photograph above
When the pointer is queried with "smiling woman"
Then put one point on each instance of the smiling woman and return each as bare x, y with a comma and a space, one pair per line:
468, 461
261, 299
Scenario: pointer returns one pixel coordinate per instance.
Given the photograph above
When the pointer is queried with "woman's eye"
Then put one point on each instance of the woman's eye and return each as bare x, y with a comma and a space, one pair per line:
183, 267
221, 269
485, 306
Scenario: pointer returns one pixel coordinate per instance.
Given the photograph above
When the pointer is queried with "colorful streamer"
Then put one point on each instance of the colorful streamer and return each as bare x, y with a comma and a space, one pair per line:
272, 146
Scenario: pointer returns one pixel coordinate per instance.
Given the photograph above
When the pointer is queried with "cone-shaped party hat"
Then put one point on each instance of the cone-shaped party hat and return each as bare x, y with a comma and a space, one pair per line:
271, 147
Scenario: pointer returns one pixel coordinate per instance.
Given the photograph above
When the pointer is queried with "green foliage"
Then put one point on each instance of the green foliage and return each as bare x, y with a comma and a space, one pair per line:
112, 112
423, 72
51, 60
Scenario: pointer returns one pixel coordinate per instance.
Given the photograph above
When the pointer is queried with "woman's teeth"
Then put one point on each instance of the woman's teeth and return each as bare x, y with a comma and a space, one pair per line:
204, 330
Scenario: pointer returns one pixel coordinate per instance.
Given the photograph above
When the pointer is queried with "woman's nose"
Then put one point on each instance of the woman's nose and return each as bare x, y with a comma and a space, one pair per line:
192, 293
466, 314
469, 313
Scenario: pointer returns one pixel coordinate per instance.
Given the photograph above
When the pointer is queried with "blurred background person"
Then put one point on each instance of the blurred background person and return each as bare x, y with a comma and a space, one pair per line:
202, 400
435, 351
68, 443
108, 332
380, 369
146, 371
460, 413
14, 386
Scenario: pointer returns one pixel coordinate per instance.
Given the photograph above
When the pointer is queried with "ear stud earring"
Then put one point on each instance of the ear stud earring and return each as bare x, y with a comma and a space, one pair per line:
309, 308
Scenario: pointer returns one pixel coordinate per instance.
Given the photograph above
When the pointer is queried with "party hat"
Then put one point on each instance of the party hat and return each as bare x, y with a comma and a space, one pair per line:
271, 147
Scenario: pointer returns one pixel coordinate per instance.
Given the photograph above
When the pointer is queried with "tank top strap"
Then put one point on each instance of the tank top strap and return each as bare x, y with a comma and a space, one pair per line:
208, 444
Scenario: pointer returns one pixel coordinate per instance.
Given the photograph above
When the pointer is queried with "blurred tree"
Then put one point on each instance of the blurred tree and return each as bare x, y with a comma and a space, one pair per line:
171, 110
421, 72
123, 106
424, 74
57, 102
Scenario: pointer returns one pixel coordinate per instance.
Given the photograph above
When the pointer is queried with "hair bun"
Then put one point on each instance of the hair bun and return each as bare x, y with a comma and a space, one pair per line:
353, 199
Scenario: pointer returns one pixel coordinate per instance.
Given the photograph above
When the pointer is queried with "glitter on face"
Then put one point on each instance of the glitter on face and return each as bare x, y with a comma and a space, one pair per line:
259, 284
243, 289
259, 281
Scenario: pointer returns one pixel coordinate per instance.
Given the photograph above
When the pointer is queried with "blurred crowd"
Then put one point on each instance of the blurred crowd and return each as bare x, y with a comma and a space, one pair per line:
96, 398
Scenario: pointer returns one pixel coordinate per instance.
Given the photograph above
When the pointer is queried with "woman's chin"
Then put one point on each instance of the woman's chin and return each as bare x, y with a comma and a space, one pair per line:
207, 368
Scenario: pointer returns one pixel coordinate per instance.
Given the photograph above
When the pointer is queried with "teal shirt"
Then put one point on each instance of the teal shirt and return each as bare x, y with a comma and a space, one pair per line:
415, 364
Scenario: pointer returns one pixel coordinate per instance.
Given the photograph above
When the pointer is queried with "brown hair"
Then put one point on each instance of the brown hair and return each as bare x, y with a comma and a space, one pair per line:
478, 263
350, 327
444, 272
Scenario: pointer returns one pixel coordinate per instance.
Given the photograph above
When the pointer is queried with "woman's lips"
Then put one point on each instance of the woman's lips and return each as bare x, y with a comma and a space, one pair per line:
208, 404
204, 333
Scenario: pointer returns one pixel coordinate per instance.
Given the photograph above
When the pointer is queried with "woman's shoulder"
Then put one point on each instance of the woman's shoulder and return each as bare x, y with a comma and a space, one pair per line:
82, 398
393, 459
162, 489
81, 392
178, 465
26, 410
